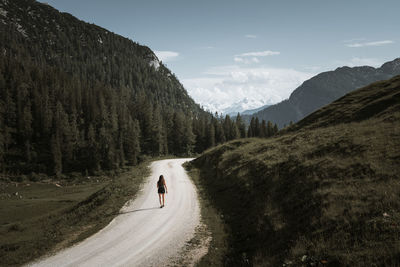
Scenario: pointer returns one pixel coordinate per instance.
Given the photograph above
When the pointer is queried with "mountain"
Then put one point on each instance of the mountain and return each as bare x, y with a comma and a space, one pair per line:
77, 97
232, 109
244, 107
252, 111
240, 106
324, 88
323, 192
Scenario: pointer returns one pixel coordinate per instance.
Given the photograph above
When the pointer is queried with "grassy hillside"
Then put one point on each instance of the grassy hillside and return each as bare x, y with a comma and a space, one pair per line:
39, 217
325, 192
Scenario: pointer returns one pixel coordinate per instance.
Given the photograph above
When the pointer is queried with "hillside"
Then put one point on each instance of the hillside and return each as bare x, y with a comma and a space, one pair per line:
325, 192
75, 97
323, 89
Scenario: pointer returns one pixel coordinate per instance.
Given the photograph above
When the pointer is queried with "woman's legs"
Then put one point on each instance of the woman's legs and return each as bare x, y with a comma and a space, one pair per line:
163, 199
159, 197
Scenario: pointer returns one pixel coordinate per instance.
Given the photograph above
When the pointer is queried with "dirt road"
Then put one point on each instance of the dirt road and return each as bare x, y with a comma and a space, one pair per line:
144, 234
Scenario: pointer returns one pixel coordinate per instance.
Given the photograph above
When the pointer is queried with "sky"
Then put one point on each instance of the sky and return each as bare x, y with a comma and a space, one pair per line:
250, 53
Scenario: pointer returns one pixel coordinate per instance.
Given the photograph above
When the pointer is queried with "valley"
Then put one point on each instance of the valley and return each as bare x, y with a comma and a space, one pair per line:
90, 118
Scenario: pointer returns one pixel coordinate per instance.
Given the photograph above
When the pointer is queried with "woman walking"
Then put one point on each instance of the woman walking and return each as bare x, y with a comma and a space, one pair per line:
162, 189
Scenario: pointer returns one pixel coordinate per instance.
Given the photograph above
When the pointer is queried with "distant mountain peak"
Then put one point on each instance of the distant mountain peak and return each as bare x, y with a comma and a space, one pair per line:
243, 105
392, 67
324, 88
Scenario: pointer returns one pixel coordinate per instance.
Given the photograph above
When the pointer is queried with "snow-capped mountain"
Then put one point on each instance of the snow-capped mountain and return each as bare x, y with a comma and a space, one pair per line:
245, 106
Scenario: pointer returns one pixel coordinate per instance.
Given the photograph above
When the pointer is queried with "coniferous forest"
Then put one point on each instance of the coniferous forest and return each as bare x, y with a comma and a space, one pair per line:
75, 97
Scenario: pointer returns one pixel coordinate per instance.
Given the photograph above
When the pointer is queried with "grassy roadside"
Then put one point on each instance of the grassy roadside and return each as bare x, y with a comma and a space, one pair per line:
210, 238
294, 201
41, 217
326, 192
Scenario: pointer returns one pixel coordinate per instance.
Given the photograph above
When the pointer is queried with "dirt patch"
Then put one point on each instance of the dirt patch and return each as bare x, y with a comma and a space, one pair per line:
196, 248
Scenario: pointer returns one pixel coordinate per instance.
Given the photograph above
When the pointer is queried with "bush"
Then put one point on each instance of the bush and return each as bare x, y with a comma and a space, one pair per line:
19, 178
34, 177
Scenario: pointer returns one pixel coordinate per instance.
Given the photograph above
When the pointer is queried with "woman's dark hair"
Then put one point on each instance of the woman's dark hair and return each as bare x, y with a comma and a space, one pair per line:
161, 180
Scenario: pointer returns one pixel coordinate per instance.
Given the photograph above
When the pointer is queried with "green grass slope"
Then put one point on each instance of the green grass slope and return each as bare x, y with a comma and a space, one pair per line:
325, 192
37, 218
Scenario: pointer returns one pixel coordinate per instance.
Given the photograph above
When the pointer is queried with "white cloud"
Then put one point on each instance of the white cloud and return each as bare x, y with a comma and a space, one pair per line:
259, 54
166, 56
251, 57
246, 60
222, 87
376, 43
251, 36
354, 40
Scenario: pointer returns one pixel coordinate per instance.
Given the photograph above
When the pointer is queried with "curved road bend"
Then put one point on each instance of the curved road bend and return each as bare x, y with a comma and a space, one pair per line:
143, 234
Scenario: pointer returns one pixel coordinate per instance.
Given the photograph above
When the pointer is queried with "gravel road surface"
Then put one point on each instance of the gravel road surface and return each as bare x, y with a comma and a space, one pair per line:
143, 234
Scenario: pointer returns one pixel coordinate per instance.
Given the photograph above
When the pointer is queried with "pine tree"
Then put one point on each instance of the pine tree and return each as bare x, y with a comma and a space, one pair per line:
189, 138
178, 132
10, 121
24, 117
199, 130
227, 127
73, 134
46, 115
56, 155
235, 131
131, 141
241, 126
211, 135
263, 129
257, 128
144, 113
106, 148
219, 132
27, 131
64, 135
2, 123
275, 131
252, 127
157, 132
270, 129
2, 143
92, 153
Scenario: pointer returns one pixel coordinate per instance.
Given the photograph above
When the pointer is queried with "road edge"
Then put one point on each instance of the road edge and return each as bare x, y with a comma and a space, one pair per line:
208, 247
107, 201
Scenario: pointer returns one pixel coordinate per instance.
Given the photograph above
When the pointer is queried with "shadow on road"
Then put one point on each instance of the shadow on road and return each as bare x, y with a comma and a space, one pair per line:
131, 211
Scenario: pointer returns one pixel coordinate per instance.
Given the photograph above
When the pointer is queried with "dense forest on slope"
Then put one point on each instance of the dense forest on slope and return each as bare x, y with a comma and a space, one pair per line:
323, 89
324, 192
76, 97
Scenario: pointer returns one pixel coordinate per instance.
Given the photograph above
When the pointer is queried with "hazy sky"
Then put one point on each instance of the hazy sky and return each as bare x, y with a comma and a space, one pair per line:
227, 50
